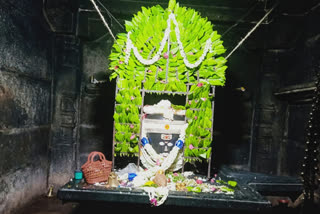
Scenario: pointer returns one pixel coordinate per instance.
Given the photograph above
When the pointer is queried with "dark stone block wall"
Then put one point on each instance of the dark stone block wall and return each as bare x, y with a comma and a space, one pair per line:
25, 102
286, 86
52, 115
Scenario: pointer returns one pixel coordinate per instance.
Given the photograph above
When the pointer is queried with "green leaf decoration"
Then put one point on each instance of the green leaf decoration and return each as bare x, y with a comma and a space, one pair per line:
119, 137
194, 32
172, 4
226, 189
169, 72
116, 117
194, 189
232, 183
118, 148
119, 98
126, 117
208, 153
203, 155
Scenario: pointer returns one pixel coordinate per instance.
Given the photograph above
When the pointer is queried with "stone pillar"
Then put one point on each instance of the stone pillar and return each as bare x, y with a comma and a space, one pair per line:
267, 135
66, 97
61, 17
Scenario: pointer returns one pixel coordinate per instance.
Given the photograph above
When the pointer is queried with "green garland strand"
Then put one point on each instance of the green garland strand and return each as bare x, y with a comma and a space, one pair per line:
126, 117
199, 117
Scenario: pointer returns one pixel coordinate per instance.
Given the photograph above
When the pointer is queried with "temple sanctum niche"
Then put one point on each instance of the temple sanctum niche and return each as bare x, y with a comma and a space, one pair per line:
200, 105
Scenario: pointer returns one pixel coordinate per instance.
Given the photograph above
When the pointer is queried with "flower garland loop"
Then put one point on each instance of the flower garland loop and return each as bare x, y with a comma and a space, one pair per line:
156, 57
174, 45
151, 159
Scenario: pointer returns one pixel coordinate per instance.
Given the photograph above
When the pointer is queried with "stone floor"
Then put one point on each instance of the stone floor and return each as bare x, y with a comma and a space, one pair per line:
52, 205
45, 205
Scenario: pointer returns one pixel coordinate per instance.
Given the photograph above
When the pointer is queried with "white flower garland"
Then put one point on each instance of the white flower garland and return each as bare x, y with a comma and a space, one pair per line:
163, 107
156, 57
143, 176
155, 162
155, 193
150, 158
146, 160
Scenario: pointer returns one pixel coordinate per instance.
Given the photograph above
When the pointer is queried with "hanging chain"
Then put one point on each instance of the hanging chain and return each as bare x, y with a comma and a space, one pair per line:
310, 167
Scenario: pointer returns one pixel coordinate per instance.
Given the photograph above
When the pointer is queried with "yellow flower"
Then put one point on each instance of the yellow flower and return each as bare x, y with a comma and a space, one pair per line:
149, 183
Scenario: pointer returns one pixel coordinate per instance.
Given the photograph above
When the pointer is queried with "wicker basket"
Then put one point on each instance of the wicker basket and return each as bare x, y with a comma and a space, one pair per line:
96, 171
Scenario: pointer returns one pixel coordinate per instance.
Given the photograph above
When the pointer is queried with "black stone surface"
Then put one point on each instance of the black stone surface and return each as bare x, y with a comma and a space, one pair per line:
245, 197
249, 196
265, 184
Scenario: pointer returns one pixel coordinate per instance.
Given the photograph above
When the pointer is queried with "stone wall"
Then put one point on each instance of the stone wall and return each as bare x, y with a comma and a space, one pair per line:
52, 115
25, 103
286, 86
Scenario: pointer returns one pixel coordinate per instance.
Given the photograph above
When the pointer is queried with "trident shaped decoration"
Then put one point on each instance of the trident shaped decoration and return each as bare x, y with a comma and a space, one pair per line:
166, 143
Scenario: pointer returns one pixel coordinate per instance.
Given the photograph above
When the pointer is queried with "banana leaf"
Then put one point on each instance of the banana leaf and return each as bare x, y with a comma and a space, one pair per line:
119, 109
124, 147
119, 137
206, 142
206, 122
116, 118
136, 149
203, 153
117, 148
127, 136
204, 132
129, 26
208, 153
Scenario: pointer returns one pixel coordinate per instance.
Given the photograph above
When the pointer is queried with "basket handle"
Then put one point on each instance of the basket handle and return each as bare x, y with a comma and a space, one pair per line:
90, 155
101, 156
93, 154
